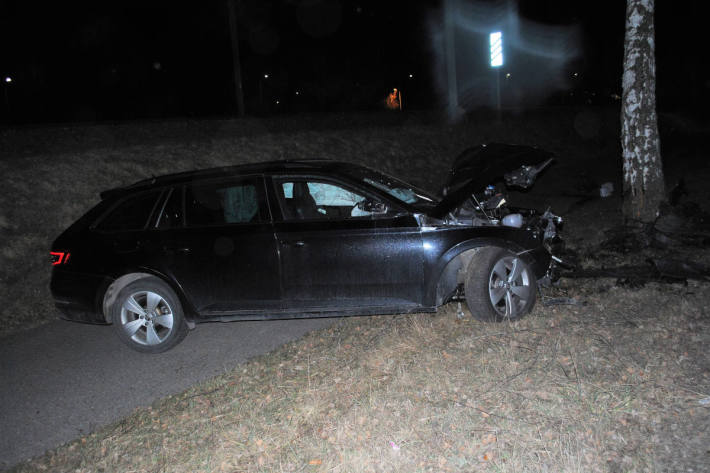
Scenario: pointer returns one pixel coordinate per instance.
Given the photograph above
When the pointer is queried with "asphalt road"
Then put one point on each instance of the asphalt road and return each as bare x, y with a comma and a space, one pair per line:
65, 379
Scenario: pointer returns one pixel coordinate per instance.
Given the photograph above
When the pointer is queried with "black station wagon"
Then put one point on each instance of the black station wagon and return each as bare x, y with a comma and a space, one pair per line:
306, 238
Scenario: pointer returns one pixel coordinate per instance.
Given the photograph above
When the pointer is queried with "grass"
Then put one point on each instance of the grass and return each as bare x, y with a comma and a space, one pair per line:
618, 384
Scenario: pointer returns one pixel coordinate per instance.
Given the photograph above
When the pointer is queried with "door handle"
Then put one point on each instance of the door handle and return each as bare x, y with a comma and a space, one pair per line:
176, 249
297, 243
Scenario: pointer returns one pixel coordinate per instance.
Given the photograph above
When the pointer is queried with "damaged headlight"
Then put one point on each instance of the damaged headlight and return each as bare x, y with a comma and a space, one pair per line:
551, 224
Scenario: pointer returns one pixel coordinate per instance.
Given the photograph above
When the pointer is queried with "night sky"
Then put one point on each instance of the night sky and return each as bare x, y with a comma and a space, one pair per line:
123, 60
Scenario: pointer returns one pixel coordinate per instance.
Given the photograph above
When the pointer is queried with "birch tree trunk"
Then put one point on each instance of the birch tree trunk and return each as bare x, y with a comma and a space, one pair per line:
644, 188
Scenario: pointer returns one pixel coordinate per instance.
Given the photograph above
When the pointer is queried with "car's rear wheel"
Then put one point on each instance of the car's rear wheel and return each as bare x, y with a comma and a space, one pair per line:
499, 285
148, 316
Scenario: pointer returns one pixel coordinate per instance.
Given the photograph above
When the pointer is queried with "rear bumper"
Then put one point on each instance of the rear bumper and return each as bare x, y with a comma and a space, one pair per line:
78, 314
78, 296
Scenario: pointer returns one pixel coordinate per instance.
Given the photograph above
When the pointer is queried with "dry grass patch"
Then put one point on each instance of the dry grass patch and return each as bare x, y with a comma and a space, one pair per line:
620, 384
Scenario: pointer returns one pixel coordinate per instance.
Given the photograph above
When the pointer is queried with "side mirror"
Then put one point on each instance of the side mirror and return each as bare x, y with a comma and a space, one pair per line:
371, 206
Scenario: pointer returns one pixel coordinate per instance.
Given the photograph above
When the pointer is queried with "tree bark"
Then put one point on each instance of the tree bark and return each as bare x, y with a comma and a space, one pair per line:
644, 188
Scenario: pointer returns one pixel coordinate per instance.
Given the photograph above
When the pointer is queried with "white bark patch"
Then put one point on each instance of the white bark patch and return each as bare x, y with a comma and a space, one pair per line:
628, 79
635, 19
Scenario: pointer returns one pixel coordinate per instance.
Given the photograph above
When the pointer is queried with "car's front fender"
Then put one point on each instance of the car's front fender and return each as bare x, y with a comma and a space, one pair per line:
450, 252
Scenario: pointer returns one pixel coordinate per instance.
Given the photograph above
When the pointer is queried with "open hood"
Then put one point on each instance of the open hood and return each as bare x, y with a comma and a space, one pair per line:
487, 164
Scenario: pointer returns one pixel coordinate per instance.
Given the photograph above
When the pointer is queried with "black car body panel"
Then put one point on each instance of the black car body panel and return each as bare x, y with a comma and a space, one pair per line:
388, 257
75, 294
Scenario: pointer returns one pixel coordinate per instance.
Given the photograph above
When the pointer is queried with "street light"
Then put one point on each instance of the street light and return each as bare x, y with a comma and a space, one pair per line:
8, 79
496, 41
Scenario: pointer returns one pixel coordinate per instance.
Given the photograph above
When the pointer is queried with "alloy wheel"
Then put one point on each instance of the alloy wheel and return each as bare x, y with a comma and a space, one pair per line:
147, 318
509, 286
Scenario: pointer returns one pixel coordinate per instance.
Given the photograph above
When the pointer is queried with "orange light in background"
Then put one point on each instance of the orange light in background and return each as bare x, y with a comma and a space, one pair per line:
394, 100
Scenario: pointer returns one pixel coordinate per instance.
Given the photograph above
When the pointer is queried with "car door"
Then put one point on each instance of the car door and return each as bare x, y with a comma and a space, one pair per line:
335, 255
217, 241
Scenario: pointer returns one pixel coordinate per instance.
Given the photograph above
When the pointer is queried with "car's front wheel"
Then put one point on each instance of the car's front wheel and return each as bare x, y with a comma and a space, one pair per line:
148, 316
499, 285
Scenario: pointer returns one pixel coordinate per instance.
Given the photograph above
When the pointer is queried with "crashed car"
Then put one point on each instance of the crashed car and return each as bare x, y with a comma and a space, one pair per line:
310, 238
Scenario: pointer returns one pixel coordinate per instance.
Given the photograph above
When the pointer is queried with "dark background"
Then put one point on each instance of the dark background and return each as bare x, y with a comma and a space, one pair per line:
123, 60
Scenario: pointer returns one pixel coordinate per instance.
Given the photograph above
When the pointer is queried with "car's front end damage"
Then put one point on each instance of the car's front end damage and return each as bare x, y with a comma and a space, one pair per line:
475, 195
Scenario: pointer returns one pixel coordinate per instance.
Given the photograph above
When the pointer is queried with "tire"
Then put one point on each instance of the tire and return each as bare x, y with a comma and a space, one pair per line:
499, 285
148, 316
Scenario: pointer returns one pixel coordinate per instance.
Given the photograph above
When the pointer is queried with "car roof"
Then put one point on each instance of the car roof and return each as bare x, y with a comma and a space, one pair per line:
267, 167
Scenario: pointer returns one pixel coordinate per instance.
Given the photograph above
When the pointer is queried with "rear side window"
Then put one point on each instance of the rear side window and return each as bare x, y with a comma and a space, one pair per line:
172, 215
131, 214
222, 203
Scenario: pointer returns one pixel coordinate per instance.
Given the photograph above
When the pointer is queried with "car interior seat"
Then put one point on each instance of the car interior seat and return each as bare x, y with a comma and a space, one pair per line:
303, 204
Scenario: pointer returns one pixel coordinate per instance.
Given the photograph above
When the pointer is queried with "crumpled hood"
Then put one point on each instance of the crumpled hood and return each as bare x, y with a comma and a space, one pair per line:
481, 165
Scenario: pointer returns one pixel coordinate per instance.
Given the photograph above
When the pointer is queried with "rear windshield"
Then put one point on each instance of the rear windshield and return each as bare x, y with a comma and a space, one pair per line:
131, 214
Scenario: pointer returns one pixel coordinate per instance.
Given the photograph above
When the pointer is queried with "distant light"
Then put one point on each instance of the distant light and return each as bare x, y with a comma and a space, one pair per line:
277, 102
298, 93
8, 79
575, 74
411, 76
507, 76
496, 40
266, 76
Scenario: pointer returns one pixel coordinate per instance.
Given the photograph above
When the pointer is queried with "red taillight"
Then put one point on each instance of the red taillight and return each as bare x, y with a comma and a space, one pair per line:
59, 257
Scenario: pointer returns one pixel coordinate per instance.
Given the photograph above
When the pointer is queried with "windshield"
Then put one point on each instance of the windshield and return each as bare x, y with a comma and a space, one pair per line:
398, 189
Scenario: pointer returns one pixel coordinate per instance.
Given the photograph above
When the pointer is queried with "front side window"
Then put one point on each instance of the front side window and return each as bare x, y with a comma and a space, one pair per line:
131, 214
305, 199
222, 203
